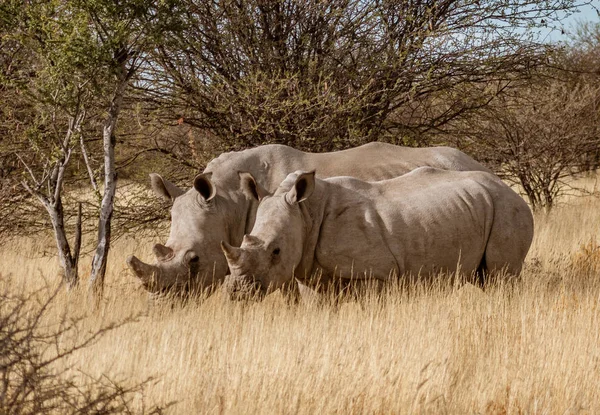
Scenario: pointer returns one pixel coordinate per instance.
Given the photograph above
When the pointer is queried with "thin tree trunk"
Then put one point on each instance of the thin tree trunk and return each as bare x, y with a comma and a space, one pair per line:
67, 261
110, 186
88, 166
52, 202
77, 241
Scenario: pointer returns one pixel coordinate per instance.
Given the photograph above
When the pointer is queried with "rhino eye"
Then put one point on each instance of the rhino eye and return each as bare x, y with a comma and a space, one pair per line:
275, 256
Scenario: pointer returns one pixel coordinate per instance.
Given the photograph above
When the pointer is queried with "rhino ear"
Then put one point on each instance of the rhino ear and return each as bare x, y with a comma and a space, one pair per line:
250, 187
302, 189
232, 254
205, 186
164, 188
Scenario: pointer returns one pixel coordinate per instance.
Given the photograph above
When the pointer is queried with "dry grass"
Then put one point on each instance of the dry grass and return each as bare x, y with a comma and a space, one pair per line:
529, 347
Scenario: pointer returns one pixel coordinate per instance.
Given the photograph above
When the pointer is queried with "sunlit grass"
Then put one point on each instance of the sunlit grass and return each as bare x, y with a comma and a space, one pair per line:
531, 346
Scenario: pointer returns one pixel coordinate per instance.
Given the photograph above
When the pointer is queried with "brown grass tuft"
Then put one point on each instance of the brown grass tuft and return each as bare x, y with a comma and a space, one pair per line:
587, 258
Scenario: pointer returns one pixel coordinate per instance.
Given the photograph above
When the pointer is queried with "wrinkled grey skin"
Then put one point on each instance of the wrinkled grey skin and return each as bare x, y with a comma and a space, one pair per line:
215, 209
342, 228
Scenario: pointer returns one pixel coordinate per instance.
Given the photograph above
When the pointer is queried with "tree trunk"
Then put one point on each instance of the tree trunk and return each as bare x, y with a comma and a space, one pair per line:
110, 186
67, 261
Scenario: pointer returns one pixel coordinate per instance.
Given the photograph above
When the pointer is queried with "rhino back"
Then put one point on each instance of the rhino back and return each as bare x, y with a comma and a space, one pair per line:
381, 161
421, 222
270, 164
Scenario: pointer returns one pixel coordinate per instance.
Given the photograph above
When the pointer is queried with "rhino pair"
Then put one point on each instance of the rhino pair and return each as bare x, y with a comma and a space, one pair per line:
342, 227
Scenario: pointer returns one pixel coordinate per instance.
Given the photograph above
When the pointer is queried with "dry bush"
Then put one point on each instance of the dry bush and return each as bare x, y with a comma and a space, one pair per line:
328, 75
33, 348
539, 134
539, 137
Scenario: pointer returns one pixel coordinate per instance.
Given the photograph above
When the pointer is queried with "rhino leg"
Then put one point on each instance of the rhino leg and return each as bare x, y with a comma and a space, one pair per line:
510, 237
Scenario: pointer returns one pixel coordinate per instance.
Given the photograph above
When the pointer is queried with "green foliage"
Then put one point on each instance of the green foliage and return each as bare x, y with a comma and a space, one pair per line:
61, 63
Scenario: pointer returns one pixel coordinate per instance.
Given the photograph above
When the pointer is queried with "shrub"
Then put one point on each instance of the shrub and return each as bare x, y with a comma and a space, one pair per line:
33, 376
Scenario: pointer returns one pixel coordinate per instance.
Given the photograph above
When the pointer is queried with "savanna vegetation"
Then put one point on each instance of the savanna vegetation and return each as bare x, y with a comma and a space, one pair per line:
97, 94
524, 347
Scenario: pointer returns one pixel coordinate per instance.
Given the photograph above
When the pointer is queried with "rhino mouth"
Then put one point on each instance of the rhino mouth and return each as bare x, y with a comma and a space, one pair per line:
240, 289
153, 278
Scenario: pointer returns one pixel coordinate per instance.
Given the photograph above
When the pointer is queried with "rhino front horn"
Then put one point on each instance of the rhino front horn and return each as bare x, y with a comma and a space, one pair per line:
141, 270
231, 253
162, 252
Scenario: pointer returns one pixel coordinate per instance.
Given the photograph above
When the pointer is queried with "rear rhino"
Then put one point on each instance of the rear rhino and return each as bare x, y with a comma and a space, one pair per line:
426, 221
215, 209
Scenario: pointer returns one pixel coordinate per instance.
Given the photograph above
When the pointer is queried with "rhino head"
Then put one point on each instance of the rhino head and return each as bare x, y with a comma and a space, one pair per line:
268, 257
191, 258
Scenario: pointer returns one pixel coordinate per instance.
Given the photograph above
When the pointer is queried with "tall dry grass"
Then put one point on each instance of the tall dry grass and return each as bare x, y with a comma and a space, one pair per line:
528, 347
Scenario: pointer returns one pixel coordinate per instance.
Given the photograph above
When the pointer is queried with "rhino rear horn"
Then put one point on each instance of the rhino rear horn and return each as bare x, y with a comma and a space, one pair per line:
164, 188
162, 252
251, 240
232, 254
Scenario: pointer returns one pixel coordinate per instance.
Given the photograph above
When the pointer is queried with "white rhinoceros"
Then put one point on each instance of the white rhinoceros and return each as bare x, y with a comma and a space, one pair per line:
423, 222
215, 209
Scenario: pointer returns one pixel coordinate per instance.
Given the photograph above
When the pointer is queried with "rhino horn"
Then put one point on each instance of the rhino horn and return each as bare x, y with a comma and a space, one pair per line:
142, 270
251, 240
162, 252
231, 253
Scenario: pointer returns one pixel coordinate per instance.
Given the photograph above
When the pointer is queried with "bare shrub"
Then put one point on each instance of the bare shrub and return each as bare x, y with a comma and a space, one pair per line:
31, 350
538, 137
328, 75
540, 134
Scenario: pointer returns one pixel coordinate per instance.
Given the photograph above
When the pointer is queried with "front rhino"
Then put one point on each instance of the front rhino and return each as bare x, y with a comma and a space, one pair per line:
268, 258
354, 230
184, 263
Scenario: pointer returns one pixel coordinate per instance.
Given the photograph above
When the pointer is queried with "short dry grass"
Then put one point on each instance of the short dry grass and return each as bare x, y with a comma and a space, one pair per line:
529, 347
